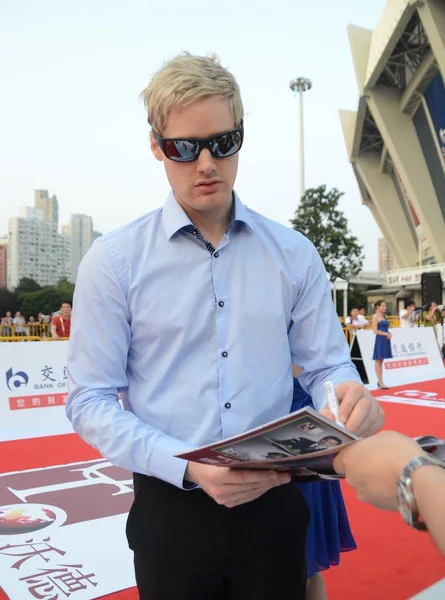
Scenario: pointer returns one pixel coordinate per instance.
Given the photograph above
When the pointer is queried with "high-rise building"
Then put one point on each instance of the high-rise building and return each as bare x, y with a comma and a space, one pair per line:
48, 205
3, 262
36, 249
387, 260
81, 239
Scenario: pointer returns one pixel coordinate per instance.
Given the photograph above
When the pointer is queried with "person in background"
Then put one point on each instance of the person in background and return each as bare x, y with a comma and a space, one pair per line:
433, 314
61, 324
6, 324
407, 315
32, 325
391, 471
19, 323
382, 345
353, 322
361, 317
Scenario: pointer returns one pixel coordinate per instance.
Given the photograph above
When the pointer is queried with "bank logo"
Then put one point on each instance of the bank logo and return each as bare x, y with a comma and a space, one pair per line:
15, 380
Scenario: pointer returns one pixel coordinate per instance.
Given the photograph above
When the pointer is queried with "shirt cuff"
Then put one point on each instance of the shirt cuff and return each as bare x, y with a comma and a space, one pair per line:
338, 376
164, 464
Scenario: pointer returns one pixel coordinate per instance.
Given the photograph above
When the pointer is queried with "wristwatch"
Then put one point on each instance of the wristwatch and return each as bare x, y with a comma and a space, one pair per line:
405, 493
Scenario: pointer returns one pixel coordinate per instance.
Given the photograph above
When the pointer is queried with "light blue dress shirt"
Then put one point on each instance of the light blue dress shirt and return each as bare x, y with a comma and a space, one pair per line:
200, 345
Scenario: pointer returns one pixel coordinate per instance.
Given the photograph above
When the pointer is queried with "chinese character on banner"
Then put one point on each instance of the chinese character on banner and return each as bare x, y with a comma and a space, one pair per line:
67, 579
29, 550
411, 347
20, 402
46, 373
36, 401
51, 400
419, 346
65, 398
403, 348
395, 349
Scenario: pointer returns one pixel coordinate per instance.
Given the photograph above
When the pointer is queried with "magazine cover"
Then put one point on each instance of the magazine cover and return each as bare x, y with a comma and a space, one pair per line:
304, 442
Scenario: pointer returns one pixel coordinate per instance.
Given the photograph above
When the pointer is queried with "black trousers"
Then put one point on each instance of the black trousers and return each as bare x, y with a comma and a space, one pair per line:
187, 547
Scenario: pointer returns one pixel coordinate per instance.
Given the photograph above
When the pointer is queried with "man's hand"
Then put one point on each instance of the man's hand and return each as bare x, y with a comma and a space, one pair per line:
373, 466
231, 487
359, 410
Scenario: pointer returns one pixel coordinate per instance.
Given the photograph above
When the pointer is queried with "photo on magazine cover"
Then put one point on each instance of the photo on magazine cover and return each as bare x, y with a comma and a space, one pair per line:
301, 437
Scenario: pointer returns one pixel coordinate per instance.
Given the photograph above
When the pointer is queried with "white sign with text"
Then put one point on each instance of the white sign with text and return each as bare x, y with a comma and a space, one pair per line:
416, 356
33, 389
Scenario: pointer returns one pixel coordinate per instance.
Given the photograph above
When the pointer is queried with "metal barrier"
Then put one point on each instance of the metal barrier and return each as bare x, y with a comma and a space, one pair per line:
22, 338
27, 330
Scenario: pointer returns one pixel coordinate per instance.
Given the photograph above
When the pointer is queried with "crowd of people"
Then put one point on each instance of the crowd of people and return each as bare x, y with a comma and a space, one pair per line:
55, 326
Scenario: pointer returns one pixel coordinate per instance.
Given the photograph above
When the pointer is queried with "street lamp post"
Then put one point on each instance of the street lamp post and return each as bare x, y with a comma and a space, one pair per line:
300, 85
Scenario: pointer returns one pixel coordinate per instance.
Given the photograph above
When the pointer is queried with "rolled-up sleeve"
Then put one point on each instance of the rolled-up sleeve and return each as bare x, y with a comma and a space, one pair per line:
316, 339
97, 363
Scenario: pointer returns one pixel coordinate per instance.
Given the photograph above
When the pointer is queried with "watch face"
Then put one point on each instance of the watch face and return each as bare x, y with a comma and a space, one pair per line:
404, 498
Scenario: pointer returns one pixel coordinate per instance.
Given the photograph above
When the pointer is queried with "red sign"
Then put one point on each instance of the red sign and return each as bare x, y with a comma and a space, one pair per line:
38, 401
402, 364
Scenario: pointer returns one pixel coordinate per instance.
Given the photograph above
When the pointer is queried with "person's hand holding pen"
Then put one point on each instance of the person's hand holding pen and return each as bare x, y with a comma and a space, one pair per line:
353, 406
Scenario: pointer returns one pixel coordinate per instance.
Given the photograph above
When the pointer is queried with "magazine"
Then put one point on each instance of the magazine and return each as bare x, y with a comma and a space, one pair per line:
303, 442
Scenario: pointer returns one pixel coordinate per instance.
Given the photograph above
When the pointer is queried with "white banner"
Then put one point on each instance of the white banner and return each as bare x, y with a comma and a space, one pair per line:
33, 389
416, 356
62, 532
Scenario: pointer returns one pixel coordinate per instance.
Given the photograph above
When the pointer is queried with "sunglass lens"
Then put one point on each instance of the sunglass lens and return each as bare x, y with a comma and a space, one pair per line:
181, 150
227, 144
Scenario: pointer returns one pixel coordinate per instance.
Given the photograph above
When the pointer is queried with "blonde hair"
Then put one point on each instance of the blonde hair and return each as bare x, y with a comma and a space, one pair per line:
185, 79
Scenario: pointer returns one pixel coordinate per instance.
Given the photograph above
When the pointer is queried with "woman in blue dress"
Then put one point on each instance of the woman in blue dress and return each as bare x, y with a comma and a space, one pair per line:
329, 532
382, 346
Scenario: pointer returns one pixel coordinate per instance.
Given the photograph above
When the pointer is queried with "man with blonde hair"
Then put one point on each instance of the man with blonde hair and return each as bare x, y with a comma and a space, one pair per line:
195, 313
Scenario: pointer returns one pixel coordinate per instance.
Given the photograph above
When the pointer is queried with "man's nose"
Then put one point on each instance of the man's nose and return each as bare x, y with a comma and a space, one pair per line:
206, 162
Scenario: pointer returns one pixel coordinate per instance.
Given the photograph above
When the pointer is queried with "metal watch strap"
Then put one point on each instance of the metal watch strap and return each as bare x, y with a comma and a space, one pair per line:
405, 484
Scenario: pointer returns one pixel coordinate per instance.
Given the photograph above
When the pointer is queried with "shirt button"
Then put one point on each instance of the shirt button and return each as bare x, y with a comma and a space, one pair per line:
224, 354
227, 405
221, 303
215, 254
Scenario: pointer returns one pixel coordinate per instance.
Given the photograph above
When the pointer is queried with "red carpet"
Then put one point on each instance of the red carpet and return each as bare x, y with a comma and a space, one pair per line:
392, 562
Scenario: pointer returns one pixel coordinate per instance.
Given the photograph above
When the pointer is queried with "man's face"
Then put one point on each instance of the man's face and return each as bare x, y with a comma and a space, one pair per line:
202, 119
65, 310
354, 313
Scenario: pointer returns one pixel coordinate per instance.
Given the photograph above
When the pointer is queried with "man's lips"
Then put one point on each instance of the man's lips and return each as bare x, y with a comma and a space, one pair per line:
212, 185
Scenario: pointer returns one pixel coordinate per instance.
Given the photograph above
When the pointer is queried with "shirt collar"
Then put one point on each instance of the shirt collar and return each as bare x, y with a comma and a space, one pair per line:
175, 218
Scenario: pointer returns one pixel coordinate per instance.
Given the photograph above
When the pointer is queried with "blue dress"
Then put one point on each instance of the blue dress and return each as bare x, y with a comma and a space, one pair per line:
382, 346
329, 532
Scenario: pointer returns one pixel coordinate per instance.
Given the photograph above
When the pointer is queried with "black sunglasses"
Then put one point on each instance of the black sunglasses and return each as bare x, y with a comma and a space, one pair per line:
221, 145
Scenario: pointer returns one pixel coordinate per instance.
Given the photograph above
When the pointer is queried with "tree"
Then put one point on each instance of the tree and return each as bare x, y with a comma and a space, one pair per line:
356, 298
27, 284
8, 301
65, 289
320, 219
45, 300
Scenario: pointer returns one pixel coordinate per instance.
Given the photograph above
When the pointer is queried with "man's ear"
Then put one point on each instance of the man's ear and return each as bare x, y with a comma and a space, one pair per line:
157, 152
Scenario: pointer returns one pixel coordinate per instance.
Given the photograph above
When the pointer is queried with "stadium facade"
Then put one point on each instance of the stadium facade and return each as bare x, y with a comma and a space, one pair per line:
396, 138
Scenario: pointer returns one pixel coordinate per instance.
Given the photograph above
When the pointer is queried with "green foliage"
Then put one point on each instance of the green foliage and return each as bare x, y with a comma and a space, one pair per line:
45, 300
30, 298
26, 285
319, 217
8, 301
356, 298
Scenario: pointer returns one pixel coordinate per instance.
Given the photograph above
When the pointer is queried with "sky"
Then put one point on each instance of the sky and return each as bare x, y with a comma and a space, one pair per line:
71, 121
